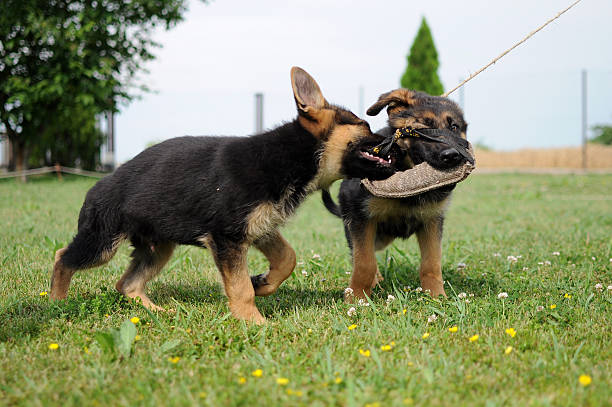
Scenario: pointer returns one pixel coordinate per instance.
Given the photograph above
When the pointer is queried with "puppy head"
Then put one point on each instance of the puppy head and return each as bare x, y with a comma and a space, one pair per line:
345, 138
407, 108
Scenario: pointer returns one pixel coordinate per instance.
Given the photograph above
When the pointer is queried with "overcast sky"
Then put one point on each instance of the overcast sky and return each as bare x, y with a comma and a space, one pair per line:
213, 63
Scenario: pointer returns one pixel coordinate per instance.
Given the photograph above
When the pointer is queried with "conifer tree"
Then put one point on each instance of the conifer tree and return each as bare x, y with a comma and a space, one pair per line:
422, 70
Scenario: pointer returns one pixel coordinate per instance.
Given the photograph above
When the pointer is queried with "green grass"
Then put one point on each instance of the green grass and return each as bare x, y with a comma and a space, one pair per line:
306, 339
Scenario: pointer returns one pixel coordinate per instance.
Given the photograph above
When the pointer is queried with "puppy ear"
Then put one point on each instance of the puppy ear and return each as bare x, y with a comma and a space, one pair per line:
398, 96
307, 93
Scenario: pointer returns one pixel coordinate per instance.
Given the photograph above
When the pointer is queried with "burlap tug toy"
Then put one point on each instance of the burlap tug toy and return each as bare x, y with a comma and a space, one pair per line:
423, 177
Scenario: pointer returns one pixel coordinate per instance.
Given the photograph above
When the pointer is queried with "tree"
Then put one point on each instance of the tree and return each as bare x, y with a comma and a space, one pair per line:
422, 70
603, 135
62, 62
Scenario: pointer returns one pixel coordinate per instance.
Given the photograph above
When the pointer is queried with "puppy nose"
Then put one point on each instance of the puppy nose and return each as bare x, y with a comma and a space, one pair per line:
450, 157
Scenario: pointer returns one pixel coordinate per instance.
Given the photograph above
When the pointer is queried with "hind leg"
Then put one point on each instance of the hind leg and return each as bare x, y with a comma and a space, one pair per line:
147, 262
363, 238
282, 262
85, 251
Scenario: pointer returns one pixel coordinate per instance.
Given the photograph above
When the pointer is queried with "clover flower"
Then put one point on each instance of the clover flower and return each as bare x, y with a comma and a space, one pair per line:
502, 295
390, 299
462, 295
432, 318
351, 311
599, 286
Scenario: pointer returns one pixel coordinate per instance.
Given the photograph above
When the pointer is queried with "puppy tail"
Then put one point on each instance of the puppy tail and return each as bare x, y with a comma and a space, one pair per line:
330, 204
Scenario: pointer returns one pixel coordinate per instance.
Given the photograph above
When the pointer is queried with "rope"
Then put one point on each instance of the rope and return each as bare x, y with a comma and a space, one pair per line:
57, 169
531, 34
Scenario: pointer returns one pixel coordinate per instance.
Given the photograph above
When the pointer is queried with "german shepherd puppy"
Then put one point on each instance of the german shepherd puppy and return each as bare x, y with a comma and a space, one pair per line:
220, 193
372, 223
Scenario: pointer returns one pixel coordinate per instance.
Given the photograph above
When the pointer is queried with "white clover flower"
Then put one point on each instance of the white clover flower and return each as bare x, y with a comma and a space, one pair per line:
467, 301
363, 303
351, 311
540, 263
418, 289
599, 286
556, 253
502, 295
471, 294
525, 268
432, 318
610, 288
390, 299
593, 258
347, 272
460, 266
316, 256
540, 308
348, 291
304, 273
512, 259
461, 295
547, 263
496, 254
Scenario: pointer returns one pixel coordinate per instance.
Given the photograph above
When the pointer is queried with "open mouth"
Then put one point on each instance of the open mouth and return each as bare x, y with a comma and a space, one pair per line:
385, 162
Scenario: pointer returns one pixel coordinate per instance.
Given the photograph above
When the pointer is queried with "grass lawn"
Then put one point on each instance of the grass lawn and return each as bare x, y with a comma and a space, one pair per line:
559, 228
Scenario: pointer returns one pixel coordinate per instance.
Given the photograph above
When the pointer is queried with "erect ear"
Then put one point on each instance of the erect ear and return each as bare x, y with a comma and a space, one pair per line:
307, 93
402, 97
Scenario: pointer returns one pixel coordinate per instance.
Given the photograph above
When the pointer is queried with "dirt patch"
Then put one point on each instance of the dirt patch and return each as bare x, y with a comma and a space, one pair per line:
599, 157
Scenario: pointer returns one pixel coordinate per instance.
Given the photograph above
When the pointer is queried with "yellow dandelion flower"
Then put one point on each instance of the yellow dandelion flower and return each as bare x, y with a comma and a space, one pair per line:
53, 346
408, 401
43, 293
257, 373
410, 364
511, 332
242, 380
567, 295
374, 404
552, 306
137, 337
351, 327
365, 352
174, 360
202, 394
584, 380
188, 330
282, 381
135, 320
508, 350
338, 380
86, 350
309, 330
385, 348
404, 311
425, 335
473, 338
453, 329
392, 343
292, 392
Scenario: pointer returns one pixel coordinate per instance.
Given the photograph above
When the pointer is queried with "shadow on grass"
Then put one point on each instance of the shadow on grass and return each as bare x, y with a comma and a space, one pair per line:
27, 318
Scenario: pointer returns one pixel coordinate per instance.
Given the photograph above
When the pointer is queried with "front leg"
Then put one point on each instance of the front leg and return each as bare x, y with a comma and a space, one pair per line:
430, 244
363, 237
231, 259
282, 262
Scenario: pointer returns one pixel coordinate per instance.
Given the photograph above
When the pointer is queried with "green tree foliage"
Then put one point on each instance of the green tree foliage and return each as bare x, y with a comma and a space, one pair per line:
603, 135
62, 62
422, 70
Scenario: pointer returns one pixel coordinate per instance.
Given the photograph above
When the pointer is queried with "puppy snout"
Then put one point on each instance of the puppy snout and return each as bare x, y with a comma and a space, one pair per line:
450, 157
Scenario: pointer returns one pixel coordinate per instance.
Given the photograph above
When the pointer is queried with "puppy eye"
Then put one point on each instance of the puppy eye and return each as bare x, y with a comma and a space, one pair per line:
454, 127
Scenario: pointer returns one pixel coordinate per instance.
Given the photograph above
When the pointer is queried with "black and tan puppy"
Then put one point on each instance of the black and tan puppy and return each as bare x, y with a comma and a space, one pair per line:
372, 223
222, 193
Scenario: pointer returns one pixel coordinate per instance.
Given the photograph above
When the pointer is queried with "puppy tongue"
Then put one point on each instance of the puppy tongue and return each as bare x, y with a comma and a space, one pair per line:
417, 180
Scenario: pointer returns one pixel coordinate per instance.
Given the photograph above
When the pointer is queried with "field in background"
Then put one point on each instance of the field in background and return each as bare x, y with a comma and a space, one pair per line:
598, 157
544, 240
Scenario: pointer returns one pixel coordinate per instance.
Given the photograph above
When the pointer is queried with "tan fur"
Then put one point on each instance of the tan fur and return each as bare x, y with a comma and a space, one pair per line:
238, 287
382, 209
264, 219
364, 263
141, 271
430, 245
282, 262
335, 146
